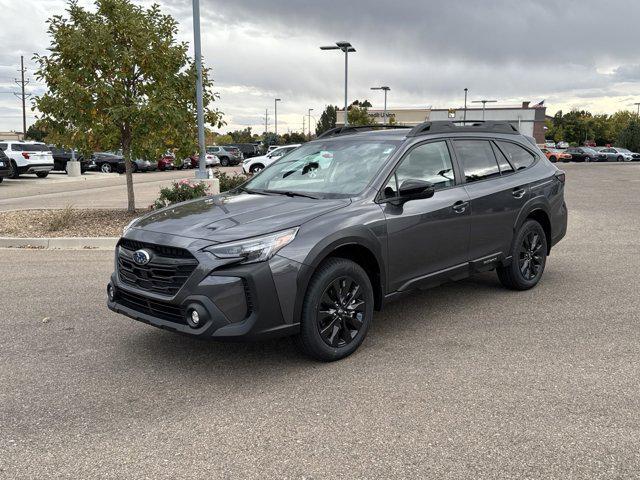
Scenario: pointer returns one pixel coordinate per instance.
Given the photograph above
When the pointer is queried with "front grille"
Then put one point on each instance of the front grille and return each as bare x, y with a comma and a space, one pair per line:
155, 308
166, 272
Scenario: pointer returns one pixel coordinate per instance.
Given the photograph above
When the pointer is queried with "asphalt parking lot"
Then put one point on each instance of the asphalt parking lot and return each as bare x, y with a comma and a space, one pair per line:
91, 190
464, 381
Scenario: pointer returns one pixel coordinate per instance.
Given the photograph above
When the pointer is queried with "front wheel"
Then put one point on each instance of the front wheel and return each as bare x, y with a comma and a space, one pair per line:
256, 168
42, 174
224, 161
106, 168
337, 310
620, 159
552, 159
528, 258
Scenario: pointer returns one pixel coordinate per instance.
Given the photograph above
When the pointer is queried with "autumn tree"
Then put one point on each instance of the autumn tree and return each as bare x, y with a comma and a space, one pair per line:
118, 78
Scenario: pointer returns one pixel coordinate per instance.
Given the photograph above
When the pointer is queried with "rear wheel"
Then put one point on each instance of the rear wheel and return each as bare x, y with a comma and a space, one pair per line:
134, 167
552, 159
106, 168
42, 174
528, 258
13, 170
337, 310
258, 167
620, 159
224, 161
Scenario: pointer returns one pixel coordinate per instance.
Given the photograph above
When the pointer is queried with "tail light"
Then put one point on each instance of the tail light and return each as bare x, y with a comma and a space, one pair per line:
25, 155
560, 175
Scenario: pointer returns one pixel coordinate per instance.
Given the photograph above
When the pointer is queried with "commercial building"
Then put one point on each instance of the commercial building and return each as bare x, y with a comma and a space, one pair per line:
11, 135
529, 120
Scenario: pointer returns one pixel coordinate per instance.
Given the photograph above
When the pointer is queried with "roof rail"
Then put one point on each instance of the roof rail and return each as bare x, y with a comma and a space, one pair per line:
447, 126
333, 132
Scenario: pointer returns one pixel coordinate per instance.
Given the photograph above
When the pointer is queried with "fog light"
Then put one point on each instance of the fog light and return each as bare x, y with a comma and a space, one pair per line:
111, 292
195, 317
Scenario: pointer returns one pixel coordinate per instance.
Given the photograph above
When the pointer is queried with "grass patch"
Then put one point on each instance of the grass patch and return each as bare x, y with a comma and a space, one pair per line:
61, 220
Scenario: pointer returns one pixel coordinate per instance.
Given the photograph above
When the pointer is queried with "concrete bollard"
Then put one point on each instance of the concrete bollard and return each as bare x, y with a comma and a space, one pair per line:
73, 169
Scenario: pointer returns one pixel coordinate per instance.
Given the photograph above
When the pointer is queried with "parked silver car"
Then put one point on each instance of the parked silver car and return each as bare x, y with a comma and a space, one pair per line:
615, 154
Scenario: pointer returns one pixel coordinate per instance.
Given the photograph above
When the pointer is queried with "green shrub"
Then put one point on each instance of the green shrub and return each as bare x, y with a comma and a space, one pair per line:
228, 182
61, 219
179, 192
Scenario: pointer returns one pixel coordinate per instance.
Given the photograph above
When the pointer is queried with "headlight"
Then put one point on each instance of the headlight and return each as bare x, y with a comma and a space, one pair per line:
257, 249
129, 225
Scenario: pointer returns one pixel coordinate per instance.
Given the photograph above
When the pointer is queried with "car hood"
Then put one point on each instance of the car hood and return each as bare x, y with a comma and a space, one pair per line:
233, 216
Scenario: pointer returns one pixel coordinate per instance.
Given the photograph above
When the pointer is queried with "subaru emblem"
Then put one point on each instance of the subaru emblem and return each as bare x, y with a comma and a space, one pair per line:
141, 257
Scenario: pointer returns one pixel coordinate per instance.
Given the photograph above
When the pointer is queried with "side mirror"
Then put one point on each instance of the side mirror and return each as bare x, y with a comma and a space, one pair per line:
414, 189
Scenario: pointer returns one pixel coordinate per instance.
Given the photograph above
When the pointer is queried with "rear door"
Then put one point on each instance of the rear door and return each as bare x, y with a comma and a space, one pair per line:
428, 235
496, 191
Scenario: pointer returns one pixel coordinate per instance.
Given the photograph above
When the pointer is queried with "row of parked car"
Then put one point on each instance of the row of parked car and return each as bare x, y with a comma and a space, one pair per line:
589, 154
25, 157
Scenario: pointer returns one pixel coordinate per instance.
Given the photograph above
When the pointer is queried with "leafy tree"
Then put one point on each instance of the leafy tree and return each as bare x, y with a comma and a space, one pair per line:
359, 115
117, 78
36, 132
223, 139
241, 136
327, 119
270, 138
293, 137
629, 137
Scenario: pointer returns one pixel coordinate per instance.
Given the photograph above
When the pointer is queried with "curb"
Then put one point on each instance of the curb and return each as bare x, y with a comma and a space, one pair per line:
62, 243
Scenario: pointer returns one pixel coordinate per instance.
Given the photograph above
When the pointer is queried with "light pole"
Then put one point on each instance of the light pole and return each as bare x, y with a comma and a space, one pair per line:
637, 104
484, 103
384, 114
202, 164
346, 47
275, 115
464, 118
309, 114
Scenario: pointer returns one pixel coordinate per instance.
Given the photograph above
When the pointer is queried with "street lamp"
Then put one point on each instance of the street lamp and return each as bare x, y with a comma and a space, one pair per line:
275, 115
384, 115
346, 47
484, 103
202, 164
637, 104
464, 118
309, 113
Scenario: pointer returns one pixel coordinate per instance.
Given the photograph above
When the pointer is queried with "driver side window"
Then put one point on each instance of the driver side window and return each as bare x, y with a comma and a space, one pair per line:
429, 162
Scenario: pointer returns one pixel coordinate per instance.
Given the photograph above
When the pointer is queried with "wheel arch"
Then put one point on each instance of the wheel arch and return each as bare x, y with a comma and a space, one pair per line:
536, 209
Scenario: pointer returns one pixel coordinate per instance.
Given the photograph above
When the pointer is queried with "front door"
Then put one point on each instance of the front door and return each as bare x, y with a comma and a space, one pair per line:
429, 235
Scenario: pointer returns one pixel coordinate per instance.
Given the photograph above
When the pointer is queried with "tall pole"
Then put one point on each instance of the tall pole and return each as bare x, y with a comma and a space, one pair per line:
266, 120
464, 118
637, 104
309, 125
22, 95
346, 82
303, 123
384, 113
484, 104
275, 115
202, 164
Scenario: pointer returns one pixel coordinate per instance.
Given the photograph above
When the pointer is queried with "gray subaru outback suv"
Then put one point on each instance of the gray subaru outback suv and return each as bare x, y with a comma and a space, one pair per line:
321, 239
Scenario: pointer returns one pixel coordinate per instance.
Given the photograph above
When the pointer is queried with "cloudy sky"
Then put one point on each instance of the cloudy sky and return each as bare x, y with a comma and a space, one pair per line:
572, 53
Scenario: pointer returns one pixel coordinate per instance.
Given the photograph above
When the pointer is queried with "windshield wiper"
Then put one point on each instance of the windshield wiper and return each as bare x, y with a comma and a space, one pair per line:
250, 191
291, 194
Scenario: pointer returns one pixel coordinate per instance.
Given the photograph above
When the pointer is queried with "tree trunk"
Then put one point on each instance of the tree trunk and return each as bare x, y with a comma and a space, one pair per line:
126, 151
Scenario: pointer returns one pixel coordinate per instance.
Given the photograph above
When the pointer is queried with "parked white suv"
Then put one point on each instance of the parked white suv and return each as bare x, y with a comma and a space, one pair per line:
28, 157
256, 164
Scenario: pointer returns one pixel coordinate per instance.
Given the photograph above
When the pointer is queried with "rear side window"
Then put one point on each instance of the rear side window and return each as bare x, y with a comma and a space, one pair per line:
477, 158
518, 156
3, 146
503, 163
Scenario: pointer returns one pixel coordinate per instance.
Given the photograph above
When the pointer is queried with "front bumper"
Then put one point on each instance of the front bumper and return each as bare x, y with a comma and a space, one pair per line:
234, 301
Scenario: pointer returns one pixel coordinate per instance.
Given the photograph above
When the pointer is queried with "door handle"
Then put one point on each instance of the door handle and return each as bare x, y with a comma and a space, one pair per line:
460, 206
518, 192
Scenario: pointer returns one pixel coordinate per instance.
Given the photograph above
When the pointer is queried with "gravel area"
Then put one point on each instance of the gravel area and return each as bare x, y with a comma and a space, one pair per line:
69, 222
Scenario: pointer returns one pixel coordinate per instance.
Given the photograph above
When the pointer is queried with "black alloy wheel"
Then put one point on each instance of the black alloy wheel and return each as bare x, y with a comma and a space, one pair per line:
341, 312
13, 170
530, 255
528, 258
337, 310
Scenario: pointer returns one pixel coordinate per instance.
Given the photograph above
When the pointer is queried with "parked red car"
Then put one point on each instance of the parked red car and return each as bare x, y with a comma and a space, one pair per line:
166, 163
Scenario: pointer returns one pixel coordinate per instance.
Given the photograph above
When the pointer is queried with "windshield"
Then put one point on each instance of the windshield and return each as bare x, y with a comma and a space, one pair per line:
333, 168
624, 150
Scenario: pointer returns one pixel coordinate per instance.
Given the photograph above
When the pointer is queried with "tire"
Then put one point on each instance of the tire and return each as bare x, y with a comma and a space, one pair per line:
42, 174
552, 159
106, 168
1, 179
256, 168
529, 257
224, 161
620, 159
347, 311
13, 170
134, 168
588, 159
